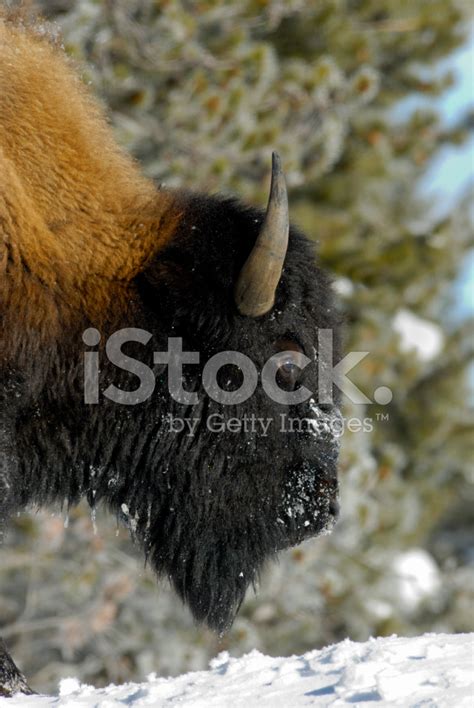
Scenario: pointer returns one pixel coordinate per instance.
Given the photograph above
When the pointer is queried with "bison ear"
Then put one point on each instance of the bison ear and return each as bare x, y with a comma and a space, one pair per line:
257, 283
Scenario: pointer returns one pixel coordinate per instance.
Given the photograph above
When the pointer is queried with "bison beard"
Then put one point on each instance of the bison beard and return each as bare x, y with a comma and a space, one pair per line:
234, 512
89, 242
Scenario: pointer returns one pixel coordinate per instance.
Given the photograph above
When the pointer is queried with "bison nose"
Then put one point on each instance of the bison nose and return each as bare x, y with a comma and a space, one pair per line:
334, 508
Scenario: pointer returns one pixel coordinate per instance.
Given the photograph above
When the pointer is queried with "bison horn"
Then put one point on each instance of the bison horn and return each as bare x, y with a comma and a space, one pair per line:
256, 285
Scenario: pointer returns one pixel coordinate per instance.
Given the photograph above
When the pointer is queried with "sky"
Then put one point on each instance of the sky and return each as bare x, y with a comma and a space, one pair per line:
451, 173
453, 170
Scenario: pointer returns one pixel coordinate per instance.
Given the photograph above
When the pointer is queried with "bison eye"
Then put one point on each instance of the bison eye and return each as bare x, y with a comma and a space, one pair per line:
290, 362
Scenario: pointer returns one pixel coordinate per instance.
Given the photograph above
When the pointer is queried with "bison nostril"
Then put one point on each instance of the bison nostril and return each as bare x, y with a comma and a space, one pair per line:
334, 507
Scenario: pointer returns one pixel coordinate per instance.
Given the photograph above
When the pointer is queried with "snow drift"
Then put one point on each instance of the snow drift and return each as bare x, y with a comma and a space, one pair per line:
433, 671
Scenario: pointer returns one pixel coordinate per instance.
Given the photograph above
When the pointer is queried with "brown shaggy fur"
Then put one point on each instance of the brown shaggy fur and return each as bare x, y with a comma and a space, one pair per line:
76, 214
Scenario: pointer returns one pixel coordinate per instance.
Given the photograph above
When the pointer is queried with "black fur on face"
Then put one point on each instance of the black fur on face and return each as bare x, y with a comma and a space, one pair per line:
231, 500
209, 508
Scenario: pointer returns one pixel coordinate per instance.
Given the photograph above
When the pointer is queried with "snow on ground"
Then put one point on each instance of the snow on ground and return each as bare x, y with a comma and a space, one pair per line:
431, 671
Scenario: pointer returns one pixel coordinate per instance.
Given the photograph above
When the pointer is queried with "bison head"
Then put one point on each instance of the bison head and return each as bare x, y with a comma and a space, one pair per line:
215, 487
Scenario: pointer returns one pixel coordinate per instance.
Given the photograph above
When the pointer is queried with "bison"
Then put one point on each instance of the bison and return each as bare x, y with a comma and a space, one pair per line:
211, 483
